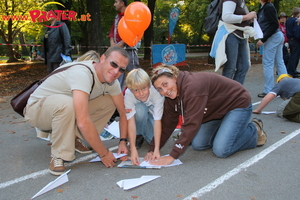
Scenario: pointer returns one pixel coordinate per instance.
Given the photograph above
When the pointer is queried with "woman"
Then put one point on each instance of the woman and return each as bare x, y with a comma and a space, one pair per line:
272, 43
216, 113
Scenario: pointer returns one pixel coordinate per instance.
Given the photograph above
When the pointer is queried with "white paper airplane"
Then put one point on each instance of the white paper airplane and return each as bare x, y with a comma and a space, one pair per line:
127, 184
114, 129
98, 159
53, 184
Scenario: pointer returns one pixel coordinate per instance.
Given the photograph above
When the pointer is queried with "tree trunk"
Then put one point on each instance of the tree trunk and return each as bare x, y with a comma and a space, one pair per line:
148, 36
93, 8
22, 41
276, 4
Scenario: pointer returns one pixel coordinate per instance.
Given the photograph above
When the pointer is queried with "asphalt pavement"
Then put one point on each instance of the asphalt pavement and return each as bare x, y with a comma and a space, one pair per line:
264, 173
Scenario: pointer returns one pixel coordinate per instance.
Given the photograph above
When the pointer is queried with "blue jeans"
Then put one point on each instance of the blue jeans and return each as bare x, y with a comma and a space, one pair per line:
273, 56
294, 56
226, 136
144, 122
237, 64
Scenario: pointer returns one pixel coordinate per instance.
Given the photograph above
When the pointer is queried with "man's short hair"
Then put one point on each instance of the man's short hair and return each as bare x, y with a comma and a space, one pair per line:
122, 51
137, 79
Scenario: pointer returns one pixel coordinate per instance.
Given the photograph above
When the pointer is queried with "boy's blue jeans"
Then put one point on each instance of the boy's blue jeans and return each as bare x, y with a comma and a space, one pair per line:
144, 122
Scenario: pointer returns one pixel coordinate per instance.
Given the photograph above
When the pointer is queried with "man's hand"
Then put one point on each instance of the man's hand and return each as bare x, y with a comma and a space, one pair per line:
109, 160
164, 160
123, 150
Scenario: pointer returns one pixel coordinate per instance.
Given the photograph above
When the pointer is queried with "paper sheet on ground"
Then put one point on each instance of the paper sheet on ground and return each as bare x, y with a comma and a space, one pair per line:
127, 184
268, 112
53, 184
98, 159
114, 129
259, 33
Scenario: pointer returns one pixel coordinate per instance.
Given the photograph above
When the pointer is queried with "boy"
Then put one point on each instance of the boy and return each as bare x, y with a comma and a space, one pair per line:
144, 106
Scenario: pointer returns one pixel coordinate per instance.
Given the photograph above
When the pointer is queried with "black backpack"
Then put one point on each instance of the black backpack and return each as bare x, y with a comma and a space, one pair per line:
211, 21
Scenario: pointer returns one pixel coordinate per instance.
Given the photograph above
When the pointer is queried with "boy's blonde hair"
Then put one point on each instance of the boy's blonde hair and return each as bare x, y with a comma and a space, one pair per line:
90, 55
137, 79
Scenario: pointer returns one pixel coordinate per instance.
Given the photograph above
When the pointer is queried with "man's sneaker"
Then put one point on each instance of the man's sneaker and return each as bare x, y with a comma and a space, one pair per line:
139, 141
80, 147
56, 166
262, 136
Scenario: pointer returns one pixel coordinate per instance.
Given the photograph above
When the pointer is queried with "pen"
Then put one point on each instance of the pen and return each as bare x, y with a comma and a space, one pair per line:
141, 167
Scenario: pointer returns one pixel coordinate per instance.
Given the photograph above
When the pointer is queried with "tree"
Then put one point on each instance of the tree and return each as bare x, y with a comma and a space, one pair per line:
14, 21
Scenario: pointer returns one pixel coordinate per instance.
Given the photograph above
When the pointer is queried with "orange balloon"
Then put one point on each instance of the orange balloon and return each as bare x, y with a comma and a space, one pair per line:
126, 35
137, 17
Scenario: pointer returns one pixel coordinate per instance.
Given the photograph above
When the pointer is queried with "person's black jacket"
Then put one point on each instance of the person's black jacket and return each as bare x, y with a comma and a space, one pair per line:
59, 41
267, 19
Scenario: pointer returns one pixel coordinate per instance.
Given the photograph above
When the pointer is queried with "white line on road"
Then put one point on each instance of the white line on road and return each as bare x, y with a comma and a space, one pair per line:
46, 171
242, 166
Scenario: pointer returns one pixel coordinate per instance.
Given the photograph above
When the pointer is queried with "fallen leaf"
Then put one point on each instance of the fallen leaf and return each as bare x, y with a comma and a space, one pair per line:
49, 143
252, 198
179, 195
282, 132
59, 190
67, 187
13, 132
25, 139
293, 141
194, 198
134, 197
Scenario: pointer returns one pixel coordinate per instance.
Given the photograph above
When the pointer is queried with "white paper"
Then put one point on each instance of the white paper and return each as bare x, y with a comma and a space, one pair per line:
127, 184
114, 129
98, 159
259, 33
268, 112
53, 184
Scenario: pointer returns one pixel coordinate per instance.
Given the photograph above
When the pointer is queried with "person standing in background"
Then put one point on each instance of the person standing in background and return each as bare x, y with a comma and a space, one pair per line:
57, 40
286, 55
293, 35
116, 40
272, 43
236, 13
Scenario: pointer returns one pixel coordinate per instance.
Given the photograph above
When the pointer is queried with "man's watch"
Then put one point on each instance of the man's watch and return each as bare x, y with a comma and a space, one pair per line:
123, 139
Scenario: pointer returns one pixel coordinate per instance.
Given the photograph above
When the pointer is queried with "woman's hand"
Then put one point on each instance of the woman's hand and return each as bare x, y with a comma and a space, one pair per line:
256, 112
164, 160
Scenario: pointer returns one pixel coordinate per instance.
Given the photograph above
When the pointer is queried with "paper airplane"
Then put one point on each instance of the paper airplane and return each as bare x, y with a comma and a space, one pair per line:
114, 129
98, 159
127, 184
53, 184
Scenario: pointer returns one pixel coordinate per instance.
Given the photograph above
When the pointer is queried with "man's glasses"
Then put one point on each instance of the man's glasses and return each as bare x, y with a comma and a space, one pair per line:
115, 65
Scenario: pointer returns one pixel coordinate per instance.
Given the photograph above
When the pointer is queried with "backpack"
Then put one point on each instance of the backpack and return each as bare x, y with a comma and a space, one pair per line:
211, 21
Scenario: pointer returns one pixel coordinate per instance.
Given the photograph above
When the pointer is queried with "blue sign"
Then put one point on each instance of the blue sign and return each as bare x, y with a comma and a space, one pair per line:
173, 18
169, 54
